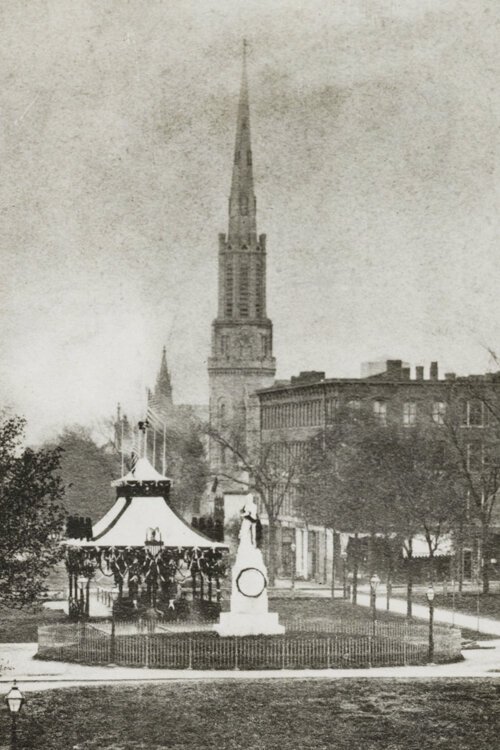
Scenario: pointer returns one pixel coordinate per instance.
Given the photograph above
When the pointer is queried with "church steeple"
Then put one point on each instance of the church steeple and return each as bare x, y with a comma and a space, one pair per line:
242, 204
163, 383
241, 360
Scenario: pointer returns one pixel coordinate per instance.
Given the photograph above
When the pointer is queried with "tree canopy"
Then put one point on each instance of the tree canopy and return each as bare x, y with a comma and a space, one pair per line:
31, 495
87, 471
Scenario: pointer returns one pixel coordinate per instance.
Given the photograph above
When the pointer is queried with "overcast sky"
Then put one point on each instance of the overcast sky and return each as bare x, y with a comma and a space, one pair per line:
375, 127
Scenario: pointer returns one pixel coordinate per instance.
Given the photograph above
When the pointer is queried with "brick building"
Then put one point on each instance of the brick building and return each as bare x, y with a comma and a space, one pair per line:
292, 412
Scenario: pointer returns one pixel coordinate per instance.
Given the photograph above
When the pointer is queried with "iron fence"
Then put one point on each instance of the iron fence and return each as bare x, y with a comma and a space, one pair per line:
356, 644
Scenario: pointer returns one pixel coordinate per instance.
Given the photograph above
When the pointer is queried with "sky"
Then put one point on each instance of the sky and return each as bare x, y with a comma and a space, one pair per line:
375, 129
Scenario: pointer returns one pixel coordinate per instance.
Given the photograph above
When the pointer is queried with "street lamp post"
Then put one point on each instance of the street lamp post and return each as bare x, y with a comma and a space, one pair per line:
14, 700
374, 582
430, 599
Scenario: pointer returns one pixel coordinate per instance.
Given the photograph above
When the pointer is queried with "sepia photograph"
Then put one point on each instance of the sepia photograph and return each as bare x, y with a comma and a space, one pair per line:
249, 374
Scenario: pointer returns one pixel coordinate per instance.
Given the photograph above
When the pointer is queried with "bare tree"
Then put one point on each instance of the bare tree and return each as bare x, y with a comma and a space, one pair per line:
269, 470
472, 427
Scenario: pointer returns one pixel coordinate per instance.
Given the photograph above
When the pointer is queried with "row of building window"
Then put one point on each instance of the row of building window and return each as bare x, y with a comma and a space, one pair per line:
312, 413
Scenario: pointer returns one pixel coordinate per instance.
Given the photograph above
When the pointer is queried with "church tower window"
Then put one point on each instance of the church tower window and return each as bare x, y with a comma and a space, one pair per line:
229, 290
259, 296
244, 291
244, 205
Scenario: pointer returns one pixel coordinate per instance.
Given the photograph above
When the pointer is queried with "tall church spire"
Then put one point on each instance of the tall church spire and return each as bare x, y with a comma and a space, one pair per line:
241, 360
242, 203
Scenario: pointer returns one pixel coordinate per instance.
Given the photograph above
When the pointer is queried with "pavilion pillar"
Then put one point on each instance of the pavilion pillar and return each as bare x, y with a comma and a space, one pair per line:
87, 597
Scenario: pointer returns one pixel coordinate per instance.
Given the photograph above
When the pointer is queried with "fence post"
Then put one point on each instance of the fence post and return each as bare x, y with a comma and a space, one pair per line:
236, 652
328, 660
112, 642
405, 645
190, 653
283, 654
370, 651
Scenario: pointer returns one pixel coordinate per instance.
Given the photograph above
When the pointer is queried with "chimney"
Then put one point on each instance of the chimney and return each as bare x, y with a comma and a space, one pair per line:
405, 373
393, 369
434, 371
419, 372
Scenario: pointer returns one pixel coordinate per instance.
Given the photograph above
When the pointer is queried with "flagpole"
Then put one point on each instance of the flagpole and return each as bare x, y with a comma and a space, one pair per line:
121, 445
154, 448
164, 468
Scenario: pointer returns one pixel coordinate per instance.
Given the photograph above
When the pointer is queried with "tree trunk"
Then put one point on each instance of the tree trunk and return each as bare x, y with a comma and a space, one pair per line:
409, 585
460, 563
389, 577
272, 551
483, 557
355, 565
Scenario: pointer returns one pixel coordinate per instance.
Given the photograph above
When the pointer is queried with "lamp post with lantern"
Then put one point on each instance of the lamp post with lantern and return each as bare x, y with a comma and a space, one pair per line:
14, 700
153, 545
430, 599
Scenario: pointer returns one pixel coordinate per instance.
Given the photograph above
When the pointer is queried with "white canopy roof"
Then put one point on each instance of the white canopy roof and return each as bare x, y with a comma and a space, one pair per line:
420, 548
127, 522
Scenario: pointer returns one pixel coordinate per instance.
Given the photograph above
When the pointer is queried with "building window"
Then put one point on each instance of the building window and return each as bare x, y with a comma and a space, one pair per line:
472, 413
438, 412
409, 413
380, 412
331, 405
490, 456
354, 405
474, 456
224, 345
244, 291
229, 290
475, 413
222, 414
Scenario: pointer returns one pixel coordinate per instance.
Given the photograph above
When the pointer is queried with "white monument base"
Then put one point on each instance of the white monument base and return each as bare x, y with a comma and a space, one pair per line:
236, 623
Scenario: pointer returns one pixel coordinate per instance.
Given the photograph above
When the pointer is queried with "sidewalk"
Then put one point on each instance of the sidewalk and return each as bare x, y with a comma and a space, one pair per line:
485, 625
33, 675
481, 624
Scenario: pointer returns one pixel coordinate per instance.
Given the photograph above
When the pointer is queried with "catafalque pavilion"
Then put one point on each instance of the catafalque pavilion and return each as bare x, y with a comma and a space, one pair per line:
147, 550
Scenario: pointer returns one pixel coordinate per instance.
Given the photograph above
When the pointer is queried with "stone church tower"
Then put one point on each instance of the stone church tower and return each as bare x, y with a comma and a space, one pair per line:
241, 359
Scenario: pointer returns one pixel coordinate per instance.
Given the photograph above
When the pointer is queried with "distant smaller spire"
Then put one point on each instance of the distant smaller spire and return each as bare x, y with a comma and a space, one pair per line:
162, 394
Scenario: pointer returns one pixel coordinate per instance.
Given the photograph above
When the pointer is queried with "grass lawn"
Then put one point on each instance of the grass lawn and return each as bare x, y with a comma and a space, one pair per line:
19, 625
260, 715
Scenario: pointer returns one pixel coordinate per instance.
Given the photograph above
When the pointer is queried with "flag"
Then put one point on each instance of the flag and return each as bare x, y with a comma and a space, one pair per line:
154, 418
